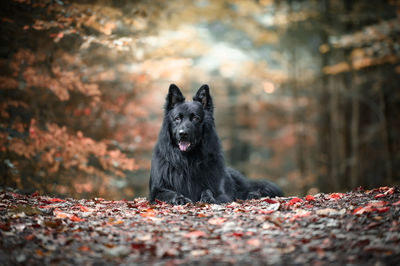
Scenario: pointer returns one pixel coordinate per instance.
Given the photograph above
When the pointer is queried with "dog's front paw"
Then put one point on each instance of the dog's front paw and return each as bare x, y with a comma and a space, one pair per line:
254, 195
181, 200
207, 197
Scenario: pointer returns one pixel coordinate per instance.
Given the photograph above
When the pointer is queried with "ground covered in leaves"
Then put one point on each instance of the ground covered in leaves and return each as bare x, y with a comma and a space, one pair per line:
359, 227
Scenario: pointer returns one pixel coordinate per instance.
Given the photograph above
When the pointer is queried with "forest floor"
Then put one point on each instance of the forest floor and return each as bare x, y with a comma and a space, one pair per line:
361, 227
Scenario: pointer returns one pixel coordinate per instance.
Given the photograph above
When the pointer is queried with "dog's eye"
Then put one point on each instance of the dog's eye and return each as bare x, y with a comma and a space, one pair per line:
196, 118
177, 119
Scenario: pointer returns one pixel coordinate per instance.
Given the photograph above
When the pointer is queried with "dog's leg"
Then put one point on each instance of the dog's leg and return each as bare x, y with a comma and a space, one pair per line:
207, 197
168, 196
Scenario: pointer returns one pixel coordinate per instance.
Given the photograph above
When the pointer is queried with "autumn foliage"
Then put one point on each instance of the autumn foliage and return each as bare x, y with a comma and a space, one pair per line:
62, 129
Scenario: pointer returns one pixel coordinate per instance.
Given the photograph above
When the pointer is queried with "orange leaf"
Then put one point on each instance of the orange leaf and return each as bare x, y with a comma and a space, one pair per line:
84, 209
61, 214
148, 213
84, 248
39, 252
76, 218
30, 237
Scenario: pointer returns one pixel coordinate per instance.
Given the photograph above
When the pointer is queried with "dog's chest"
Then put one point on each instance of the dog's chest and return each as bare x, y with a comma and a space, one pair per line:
189, 181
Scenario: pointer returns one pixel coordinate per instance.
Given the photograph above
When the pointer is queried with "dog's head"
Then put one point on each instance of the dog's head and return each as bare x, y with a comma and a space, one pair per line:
186, 119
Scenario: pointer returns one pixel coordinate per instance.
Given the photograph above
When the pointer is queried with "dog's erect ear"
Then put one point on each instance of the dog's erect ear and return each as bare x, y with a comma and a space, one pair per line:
174, 96
203, 96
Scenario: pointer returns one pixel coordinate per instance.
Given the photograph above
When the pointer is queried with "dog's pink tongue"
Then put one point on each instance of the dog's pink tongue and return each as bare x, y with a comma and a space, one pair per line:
184, 145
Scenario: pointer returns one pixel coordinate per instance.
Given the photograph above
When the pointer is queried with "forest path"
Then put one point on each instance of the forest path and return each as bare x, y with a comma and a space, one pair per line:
359, 228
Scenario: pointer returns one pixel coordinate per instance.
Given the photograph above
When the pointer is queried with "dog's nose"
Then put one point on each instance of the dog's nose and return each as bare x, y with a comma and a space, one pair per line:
182, 133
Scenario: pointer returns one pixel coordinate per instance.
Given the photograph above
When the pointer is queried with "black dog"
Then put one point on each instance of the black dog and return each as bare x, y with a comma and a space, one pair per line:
188, 163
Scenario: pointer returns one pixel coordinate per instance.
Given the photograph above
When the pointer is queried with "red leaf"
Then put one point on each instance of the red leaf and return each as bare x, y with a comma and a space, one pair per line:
35, 194
397, 203
138, 245
336, 195
379, 196
5, 227
237, 234
270, 200
362, 210
383, 209
371, 208
310, 198
56, 200
87, 111
295, 200
194, 234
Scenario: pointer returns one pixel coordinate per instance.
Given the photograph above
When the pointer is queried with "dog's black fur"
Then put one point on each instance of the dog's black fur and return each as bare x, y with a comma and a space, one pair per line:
188, 163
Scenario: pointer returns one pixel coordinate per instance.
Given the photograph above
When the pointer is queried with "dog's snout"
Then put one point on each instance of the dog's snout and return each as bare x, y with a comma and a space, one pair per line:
183, 133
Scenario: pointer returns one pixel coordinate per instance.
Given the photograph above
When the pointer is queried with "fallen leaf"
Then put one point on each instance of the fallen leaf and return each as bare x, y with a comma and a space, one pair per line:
383, 209
310, 198
84, 248
84, 209
148, 213
377, 203
268, 200
299, 214
30, 237
198, 252
56, 200
194, 234
295, 200
216, 221
76, 218
254, 242
61, 214
39, 252
336, 195
330, 212
396, 203
52, 224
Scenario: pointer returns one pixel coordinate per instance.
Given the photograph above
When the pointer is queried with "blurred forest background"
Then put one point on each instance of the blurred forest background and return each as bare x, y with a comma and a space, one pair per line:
307, 92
